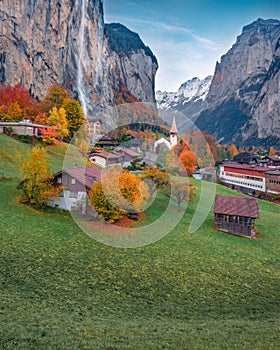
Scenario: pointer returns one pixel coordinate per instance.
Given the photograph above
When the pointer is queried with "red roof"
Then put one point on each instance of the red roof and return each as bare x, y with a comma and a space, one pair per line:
106, 155
246, 167
86, 176
239, 206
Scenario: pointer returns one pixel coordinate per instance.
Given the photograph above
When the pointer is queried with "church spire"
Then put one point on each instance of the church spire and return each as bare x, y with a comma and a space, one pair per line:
173, 129
173, 134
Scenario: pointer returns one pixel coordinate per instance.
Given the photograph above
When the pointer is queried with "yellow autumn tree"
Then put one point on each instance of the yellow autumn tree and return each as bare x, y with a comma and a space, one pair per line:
118, 194
58, 118
37, 184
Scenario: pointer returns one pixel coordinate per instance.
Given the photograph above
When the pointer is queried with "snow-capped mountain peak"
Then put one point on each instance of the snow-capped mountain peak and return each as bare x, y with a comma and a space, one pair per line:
189, 99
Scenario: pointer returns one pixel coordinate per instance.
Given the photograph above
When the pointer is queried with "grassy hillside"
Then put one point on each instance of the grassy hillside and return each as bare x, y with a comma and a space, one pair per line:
61, 289
13, 152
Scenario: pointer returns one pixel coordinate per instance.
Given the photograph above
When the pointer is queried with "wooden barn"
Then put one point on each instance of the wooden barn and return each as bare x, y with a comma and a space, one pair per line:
236, 215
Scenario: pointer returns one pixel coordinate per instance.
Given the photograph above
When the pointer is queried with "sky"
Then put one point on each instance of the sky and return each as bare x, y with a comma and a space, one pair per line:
187, 37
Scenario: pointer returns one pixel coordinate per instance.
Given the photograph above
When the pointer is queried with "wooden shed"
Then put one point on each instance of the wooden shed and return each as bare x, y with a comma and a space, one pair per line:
236, 215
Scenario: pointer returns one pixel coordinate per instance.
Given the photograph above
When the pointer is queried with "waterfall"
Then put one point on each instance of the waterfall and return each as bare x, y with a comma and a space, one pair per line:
80, 84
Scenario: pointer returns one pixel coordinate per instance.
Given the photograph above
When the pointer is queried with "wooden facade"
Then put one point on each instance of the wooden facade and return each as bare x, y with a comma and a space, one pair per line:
236, 215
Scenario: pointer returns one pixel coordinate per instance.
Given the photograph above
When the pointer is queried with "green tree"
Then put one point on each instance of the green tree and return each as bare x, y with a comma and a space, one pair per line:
74, 115
37, 184
58, 118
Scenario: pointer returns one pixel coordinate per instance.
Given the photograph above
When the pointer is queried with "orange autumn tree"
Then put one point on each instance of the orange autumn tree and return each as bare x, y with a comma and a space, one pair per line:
271, 152
48, 135
118, 194
188, 160
233, 151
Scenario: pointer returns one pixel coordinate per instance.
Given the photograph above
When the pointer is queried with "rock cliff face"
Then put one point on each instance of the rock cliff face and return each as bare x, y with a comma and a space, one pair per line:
189, 100
243, 105
65, 42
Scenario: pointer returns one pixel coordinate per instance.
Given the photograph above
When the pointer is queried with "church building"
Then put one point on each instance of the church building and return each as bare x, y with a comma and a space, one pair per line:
173, 137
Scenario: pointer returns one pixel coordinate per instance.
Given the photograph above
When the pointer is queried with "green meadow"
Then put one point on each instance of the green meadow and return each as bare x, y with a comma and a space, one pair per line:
61, 289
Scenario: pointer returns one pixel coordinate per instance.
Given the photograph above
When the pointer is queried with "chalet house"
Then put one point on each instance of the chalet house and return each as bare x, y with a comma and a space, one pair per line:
246, 158
236, 215
272, 161
76, 183
22, 128
106, 159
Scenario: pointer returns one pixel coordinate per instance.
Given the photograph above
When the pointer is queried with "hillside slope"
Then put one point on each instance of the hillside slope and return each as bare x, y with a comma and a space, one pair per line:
62, 289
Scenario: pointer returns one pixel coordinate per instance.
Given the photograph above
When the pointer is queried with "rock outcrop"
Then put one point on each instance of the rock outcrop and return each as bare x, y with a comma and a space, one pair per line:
65, 42
243, 105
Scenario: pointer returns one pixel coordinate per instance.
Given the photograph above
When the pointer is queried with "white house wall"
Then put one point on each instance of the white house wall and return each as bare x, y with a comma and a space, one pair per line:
67, 203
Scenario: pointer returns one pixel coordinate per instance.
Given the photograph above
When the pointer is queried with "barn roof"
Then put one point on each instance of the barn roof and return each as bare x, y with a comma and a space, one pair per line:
239, 206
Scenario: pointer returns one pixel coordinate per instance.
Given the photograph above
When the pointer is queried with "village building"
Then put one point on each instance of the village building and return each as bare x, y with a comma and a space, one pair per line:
107, 143
94, 127
236, 215
76, 183
246, 158
106, 160
256, 180
246, 178
272, 161
273, 182
173, 141
22, 128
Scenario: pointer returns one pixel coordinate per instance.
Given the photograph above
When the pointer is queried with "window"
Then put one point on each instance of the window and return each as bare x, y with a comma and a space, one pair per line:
59, 180
73, 181
73, 194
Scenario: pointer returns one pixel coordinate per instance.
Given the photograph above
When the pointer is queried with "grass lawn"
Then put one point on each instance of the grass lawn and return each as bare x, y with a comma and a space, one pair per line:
61, 289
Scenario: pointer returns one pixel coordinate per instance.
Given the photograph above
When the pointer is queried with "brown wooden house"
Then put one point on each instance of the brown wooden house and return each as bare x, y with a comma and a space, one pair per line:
236, 215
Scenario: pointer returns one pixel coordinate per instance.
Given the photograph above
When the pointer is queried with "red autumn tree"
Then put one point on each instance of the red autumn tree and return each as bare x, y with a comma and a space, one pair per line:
48, 135
20, 96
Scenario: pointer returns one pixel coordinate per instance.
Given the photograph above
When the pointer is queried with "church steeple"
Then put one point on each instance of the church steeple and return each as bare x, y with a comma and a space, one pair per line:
173, 133
173, 129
